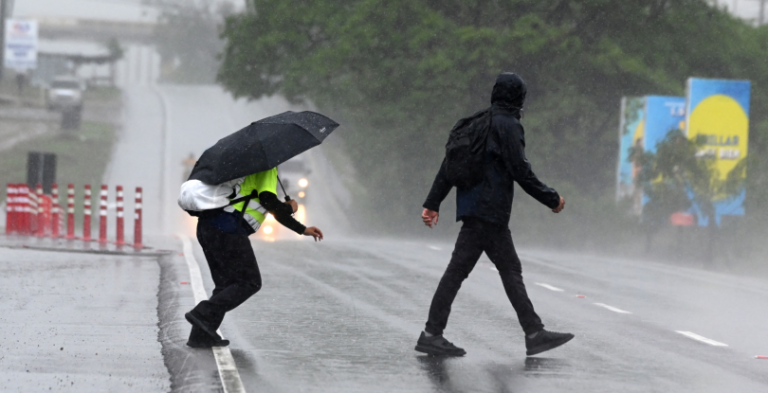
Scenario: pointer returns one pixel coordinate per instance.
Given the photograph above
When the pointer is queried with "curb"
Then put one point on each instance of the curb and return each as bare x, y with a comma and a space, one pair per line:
158, 253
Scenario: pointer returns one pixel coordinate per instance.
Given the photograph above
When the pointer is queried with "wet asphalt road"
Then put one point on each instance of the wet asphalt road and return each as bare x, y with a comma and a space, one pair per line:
344, 314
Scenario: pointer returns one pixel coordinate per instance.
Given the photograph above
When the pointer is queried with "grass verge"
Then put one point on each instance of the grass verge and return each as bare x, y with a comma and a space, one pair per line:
81, 159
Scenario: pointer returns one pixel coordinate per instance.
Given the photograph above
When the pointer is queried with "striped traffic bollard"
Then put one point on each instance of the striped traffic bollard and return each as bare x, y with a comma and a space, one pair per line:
137, 220
19, 207
9, 191
40, 212
26, 209
22, 206
87, 213
32, 210
55, 211
103, 214
10, 199
71, 211
120, 220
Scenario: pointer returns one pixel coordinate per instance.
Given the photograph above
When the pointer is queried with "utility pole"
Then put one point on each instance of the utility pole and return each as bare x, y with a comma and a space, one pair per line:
762, 12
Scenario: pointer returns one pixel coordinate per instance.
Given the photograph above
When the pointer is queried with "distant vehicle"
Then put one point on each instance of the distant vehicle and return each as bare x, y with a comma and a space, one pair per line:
294, 175
65, 94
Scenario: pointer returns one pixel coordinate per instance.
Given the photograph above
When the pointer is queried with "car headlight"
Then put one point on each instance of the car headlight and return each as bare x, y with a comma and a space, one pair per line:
268, 229
303, 183
302, 194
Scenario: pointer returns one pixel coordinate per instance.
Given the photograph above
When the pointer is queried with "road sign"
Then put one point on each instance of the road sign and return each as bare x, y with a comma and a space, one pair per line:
21, 44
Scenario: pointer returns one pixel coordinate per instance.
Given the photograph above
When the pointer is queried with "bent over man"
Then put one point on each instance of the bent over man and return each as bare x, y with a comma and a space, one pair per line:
485, 211
223, 234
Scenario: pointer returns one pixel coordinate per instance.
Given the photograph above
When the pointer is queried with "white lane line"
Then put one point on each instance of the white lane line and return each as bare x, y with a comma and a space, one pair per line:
196, 279
230, 377
436, 248
614, 309
701, 338
550, 287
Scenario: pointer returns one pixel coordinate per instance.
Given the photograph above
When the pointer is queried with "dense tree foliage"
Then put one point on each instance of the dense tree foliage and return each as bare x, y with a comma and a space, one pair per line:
677, 176
399, 73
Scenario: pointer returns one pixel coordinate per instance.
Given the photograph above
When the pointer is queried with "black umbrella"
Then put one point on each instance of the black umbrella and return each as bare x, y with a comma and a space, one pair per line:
262, 145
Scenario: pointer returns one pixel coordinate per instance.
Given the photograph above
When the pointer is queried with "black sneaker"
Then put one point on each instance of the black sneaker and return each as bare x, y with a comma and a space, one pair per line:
207, 343
200, 339
198, 322
438, 346
544, 341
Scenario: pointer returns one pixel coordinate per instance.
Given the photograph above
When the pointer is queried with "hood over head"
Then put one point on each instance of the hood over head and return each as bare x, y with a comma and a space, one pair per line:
509, 91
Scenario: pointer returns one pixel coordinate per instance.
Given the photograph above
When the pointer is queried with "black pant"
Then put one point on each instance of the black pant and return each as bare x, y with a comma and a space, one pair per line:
233, 269
475, 237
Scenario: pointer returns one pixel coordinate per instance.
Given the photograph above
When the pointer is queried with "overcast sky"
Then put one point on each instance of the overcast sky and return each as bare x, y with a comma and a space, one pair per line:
133, 10
122, 10
747, 9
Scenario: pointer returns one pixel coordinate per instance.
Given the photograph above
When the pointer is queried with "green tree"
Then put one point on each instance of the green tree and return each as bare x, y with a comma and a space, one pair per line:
399, 73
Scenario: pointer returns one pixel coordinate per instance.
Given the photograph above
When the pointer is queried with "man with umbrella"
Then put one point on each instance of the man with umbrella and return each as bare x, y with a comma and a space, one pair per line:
231, 189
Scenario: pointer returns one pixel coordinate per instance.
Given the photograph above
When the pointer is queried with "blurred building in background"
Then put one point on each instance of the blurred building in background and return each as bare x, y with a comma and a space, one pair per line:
75, 38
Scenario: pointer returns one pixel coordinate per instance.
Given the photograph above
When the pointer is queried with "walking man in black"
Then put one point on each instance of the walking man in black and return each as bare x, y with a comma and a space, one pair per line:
485, 211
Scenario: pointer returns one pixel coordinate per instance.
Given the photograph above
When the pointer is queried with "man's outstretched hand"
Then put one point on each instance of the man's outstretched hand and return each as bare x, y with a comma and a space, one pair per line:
429, 217
560, 207
314, 232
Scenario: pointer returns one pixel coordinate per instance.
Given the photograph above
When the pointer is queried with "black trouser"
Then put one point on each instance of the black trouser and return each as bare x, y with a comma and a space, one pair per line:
475, 237
233, 269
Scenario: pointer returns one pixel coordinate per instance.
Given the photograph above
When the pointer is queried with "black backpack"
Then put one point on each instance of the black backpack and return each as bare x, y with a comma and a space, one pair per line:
464, 152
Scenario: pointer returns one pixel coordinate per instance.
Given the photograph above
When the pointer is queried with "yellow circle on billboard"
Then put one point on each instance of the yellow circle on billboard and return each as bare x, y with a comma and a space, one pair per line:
724, 126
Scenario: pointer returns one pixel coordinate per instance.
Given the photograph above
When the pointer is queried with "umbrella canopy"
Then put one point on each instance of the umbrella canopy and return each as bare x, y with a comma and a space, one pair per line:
262, 145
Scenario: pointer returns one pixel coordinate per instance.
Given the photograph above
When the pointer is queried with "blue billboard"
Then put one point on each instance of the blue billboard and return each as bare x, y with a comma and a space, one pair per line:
663, 114
718, 117
631, 127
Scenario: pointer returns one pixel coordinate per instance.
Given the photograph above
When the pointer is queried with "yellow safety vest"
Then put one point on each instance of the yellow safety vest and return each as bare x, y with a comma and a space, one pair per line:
255, 214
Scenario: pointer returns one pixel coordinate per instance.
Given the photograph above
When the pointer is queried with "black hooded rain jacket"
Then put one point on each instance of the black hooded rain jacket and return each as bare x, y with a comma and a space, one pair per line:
505, 163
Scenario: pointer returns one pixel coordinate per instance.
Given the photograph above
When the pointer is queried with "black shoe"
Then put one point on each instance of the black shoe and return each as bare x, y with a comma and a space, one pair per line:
207, 343
198, 322
544, 341
200, 339
438, 346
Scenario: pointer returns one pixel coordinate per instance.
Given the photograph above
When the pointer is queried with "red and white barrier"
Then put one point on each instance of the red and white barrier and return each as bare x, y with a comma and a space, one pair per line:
55, 212
31, 212
120, 219
40, 212
103, 214
24, 209
71, 211
24, 199
87, 212
10, 206
137, 219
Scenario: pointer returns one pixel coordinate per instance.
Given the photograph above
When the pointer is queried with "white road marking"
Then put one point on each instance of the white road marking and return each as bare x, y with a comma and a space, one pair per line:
550, 287
614, 309
701, 338
436, 248
230, 377
494, 269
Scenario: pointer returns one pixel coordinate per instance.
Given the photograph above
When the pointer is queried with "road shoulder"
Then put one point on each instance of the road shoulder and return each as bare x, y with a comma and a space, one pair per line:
79, 322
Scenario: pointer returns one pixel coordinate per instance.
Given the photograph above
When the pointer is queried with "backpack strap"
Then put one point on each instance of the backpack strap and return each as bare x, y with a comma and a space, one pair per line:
246, 199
